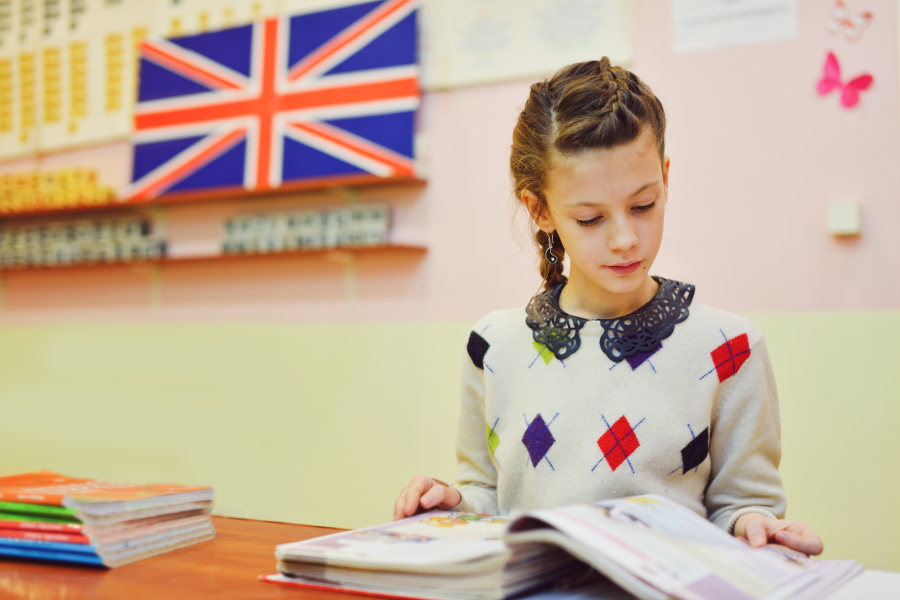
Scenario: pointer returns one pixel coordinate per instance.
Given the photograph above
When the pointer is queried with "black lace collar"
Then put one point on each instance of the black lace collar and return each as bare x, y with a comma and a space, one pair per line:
640, 331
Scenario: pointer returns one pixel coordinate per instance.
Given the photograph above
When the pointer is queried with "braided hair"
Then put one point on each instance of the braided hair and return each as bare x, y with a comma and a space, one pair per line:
584, 106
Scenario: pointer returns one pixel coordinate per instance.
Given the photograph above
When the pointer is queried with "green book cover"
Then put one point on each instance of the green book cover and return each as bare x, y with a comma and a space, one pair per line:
58, 514
8, 516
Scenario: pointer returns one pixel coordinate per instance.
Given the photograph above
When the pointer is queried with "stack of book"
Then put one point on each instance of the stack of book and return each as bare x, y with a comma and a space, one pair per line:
47, 516
648, 546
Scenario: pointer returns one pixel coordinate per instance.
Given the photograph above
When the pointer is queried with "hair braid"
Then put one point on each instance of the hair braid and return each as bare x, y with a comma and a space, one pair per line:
552, 273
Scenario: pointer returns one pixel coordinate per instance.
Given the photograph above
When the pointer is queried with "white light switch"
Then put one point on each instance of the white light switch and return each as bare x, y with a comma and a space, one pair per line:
844, 218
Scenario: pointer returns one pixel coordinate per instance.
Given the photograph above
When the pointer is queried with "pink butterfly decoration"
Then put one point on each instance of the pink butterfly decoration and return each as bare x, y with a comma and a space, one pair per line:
831, 80
851, 25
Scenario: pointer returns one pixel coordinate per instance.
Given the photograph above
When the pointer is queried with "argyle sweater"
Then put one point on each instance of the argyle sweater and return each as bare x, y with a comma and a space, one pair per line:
691, 414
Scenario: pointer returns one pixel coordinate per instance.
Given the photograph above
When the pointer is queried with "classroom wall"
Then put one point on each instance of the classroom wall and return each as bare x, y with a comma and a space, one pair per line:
308, 391
324, 423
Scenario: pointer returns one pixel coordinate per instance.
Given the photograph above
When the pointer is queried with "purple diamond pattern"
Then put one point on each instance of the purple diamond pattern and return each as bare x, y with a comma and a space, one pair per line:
538, 439
641, 357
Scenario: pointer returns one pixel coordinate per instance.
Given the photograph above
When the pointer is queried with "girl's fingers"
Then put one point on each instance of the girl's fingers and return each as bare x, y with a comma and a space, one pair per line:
403, 504
756, 533
795, 535
808, 544
800, 528
408, 501
452, 498
425, 492
433, 497
413, 494
400, 504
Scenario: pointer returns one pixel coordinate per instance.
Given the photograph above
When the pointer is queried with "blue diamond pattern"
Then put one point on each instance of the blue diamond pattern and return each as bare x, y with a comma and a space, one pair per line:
641, 357
538, 440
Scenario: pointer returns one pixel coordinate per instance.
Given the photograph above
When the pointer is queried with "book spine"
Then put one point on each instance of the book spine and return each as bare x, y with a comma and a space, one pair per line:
32, 498
54, 555
40, 510
40, 526
44, 545
43, 536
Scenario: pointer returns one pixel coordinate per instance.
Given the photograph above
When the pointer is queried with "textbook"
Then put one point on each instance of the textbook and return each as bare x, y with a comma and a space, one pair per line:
649, 546
47, 516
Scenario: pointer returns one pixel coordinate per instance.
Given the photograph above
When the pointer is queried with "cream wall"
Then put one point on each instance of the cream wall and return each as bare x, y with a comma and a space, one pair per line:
311, 423
260, 376
324, 424
839, 387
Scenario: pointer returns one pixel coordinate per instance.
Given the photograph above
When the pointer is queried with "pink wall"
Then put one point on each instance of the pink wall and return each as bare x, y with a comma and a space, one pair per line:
756, 157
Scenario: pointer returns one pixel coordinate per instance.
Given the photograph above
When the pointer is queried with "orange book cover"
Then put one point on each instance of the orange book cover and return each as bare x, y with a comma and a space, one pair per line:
43, 536
5, 523
46, 487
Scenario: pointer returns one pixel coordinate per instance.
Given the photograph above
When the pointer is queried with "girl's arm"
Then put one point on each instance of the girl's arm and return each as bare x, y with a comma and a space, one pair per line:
476, 474
745, 448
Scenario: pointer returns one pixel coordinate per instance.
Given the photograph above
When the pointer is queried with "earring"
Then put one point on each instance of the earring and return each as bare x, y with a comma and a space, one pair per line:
548, 253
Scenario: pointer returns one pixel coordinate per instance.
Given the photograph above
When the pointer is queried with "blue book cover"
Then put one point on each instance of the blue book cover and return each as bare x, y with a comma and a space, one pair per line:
54, 555
49, 546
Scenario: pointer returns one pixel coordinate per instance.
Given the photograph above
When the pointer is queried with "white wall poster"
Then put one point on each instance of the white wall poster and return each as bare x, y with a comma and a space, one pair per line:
710, 24
470, 42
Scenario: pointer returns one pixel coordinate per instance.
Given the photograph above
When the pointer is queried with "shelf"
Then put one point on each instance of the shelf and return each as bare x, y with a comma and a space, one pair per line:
224, 194
337, 251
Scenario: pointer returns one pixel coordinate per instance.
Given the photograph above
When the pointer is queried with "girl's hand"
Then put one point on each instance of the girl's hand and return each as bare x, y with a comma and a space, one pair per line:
424, 493
758, 529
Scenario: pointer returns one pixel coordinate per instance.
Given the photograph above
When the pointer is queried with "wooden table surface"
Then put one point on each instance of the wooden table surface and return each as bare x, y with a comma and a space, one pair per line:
223, 568
229, 566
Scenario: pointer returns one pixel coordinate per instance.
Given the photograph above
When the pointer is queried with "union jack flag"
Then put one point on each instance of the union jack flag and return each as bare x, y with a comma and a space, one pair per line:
287, 102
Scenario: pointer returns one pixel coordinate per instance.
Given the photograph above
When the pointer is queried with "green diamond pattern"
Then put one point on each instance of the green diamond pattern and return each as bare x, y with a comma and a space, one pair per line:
543, 351
493, 439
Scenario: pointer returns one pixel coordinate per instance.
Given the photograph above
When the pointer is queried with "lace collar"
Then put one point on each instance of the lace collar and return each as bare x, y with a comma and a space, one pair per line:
640, 331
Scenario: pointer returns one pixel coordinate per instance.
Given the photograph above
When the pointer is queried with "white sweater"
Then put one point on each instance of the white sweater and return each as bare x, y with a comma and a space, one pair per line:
692, 415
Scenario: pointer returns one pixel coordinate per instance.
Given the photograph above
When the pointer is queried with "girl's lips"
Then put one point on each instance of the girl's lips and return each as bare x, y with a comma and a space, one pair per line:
625, 268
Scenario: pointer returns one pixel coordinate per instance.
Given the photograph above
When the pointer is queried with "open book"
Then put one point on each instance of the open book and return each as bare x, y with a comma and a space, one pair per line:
649, 546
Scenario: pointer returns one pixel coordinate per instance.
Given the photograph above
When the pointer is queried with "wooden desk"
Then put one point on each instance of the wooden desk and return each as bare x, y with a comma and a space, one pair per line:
228, 566
224, 568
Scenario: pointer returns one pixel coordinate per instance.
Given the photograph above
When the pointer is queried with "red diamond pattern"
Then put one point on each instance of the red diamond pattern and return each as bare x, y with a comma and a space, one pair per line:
729, 357
618, 443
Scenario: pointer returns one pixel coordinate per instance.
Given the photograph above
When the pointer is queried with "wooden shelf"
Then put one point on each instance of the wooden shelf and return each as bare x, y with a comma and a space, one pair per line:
224, 194
337, 251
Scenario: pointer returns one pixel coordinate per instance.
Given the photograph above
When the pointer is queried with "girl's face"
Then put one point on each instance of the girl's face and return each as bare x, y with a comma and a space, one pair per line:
608, 206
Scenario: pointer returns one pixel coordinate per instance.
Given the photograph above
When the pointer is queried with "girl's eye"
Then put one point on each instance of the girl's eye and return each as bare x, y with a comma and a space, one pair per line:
645, 207
588, 223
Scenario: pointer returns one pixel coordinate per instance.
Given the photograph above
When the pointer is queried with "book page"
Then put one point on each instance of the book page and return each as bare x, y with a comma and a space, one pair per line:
674, 549
433, 538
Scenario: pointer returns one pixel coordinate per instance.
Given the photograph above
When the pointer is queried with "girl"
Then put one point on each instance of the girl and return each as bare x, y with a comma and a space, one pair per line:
611, 382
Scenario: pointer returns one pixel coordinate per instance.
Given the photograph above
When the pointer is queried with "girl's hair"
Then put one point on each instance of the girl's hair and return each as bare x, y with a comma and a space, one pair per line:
584, 106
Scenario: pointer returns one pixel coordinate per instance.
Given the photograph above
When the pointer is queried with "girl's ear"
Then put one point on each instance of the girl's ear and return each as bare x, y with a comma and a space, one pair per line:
536, 211
665, 175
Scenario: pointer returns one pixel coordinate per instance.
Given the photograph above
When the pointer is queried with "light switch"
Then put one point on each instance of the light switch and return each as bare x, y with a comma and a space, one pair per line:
844, 218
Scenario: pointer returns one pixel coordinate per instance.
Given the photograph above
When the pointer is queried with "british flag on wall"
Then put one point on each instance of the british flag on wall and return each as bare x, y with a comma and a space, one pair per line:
297, 101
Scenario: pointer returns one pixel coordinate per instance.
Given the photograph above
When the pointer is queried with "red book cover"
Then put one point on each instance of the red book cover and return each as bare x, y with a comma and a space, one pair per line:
49, 488
40, 526
68, 538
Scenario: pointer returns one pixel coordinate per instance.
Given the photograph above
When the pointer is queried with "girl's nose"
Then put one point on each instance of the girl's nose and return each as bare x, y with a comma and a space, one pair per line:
622, 235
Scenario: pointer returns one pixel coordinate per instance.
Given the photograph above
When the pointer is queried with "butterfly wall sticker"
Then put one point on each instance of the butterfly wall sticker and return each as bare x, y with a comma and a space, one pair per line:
831, 80
850, 24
